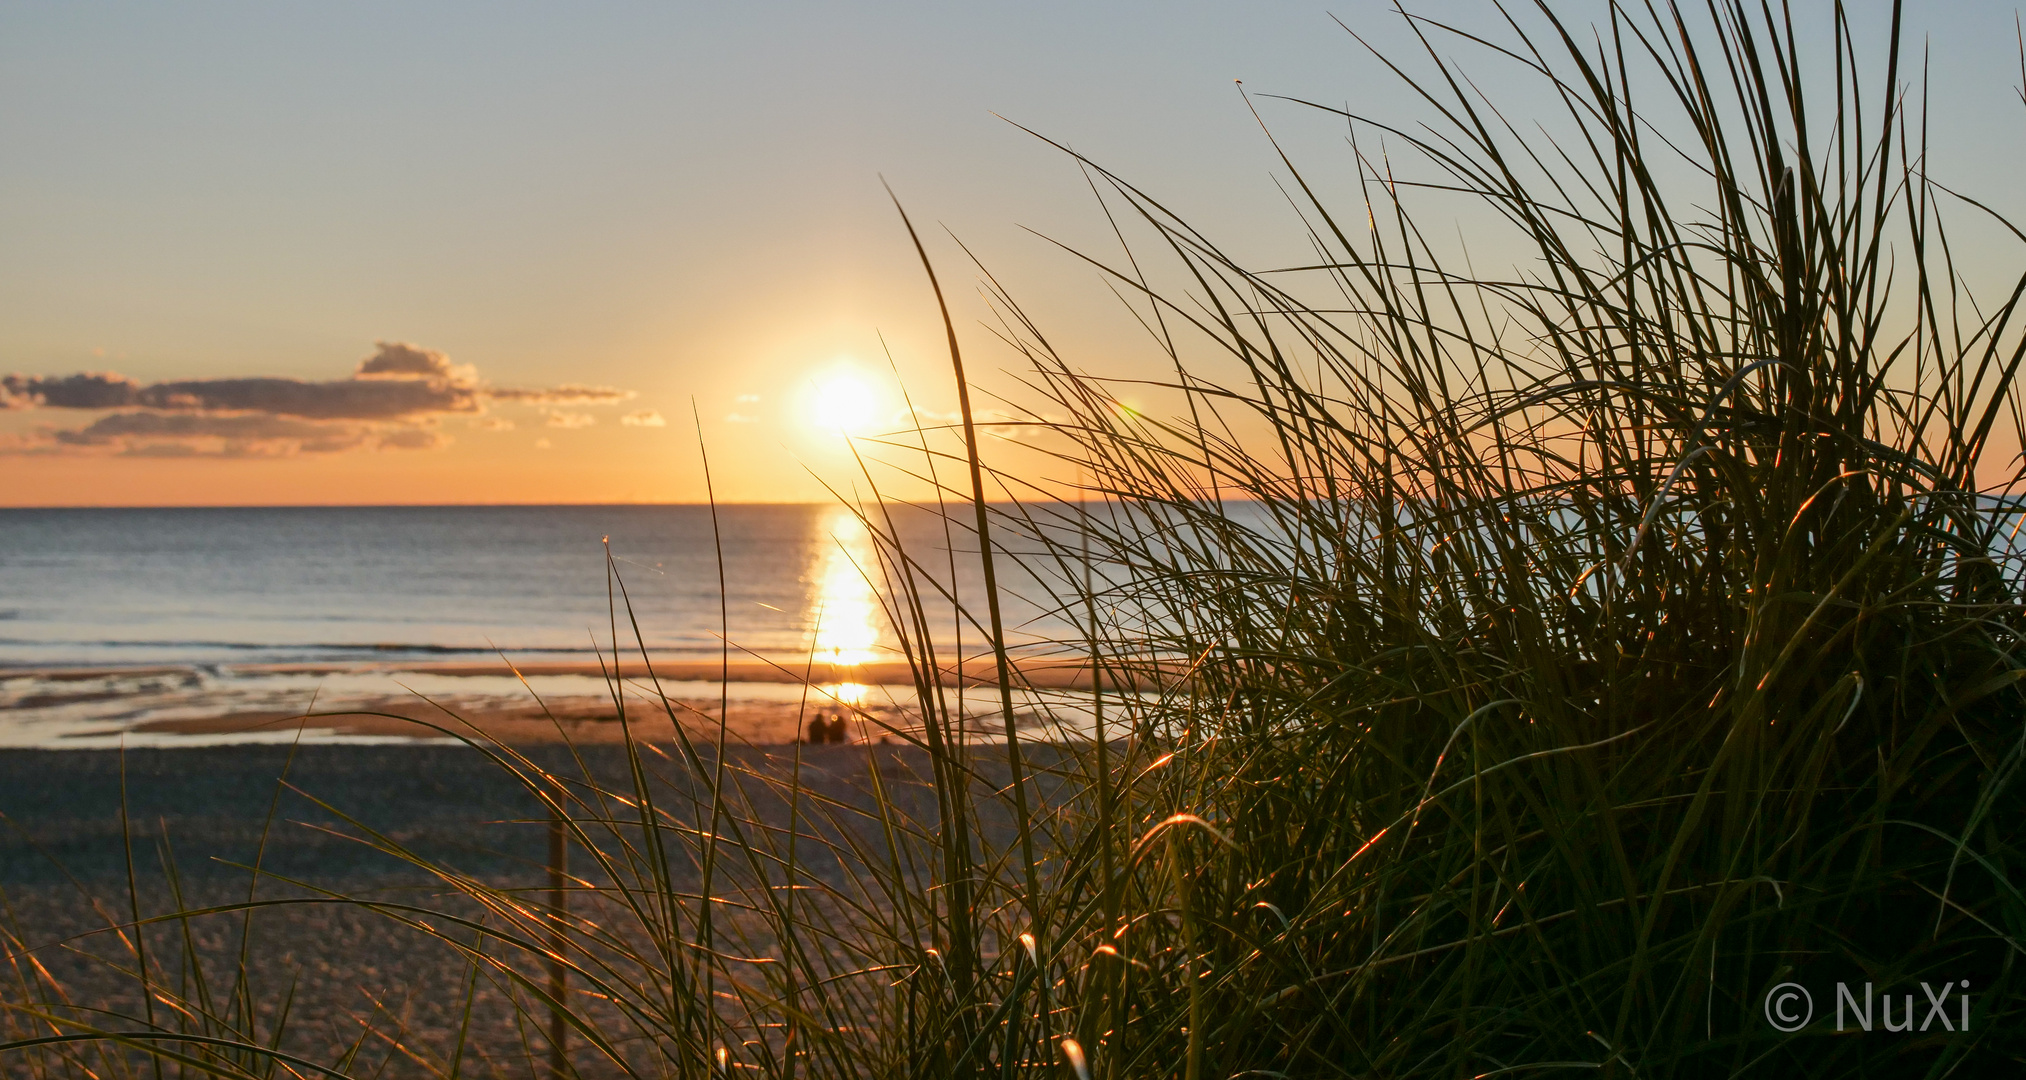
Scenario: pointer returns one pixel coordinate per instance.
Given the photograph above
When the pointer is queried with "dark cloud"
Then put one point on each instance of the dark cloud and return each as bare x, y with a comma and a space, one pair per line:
154, 434
90, 390
567, 394
344, 399
400, 360
388, 402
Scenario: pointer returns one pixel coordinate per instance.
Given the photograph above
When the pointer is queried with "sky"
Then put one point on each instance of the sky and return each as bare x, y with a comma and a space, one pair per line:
433, 252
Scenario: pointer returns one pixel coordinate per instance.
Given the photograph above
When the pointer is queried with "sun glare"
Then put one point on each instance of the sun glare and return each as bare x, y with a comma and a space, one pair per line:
843, 402
846, 610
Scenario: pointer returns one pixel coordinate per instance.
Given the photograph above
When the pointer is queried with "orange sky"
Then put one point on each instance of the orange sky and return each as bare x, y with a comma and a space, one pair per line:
680, 203
586, 213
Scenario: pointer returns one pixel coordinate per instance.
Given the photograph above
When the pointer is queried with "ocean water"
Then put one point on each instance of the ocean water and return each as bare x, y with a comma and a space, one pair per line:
188, 610
249, 586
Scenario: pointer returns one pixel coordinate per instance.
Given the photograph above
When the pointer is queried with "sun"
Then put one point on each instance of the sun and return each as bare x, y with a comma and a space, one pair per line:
843, 402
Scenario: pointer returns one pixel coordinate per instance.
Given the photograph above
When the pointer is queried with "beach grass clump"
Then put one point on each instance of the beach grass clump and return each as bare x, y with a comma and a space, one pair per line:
1576, 655
1585, 651
1512, 673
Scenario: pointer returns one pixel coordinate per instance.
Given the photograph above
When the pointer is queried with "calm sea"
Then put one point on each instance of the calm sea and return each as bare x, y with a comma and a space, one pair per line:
244, 586
221, 592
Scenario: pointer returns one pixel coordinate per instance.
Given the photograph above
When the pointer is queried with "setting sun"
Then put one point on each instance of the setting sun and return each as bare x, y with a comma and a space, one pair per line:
843, 402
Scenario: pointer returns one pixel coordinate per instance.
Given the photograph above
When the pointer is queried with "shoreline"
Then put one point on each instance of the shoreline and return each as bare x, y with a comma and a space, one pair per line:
570, 701
748, 723
1036, 672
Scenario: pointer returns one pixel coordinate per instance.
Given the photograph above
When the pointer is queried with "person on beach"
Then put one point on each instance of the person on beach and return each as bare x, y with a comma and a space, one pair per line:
819, 729
838, 734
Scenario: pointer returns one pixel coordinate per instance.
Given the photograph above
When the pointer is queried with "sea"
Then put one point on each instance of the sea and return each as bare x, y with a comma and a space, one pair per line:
112, 619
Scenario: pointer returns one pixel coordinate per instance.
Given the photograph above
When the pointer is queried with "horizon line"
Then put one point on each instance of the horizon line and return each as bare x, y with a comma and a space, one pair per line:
478, 505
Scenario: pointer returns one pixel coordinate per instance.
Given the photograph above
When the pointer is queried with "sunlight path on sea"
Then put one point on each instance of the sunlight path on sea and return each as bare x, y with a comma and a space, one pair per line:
844, 612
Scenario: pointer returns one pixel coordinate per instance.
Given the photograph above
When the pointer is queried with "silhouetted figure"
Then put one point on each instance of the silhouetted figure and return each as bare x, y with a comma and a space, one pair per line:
837, 731
819, 729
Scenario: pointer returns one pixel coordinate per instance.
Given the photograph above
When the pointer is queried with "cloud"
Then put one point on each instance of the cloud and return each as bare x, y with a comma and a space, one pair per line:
542, 444
344, 399
130, 428
738, 418
567, 394
90, 390
749, 399
390, 401
400, 360
399, 381
643, 418
154, 434
414, 438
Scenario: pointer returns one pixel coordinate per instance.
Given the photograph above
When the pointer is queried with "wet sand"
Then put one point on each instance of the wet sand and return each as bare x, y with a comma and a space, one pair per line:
764, 704
581, 721
1047, 674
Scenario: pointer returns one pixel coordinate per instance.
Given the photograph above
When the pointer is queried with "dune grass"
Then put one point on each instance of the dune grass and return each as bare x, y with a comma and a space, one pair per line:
1549, 664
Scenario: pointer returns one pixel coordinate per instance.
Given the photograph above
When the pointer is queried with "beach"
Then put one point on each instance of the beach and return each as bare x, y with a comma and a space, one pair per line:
300, 814
764, 703
185, 695
63, 868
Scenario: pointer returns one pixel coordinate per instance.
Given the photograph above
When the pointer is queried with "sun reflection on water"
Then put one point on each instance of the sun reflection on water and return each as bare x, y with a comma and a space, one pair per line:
844, 610
849, 694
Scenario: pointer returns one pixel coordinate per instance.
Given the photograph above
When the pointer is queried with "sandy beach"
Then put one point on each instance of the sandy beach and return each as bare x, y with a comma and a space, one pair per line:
63, 872
63, 866
764, 703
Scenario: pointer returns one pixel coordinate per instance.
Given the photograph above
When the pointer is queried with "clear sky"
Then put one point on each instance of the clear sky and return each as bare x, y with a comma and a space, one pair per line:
579, 225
